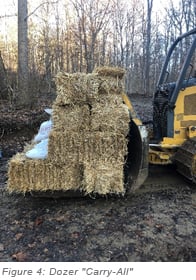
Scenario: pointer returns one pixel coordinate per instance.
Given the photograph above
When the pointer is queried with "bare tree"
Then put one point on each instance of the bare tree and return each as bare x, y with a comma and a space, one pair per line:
92, 18
23, 73
3, 79
96, 32
147, 48
181, 18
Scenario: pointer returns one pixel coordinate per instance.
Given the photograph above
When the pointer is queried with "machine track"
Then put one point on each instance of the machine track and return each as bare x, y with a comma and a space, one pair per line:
185, 159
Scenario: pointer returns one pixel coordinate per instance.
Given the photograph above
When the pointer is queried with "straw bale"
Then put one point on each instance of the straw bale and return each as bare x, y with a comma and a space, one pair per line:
80, 88
109, 114
110, 71
103, 178
111, 80
25, 175
104, 146
65, 148
77, 88
111, 85
87, 146
71, 118
101, 154
112, 117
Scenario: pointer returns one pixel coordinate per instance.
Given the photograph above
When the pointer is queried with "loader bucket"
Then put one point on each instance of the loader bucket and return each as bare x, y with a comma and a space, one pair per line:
136, 166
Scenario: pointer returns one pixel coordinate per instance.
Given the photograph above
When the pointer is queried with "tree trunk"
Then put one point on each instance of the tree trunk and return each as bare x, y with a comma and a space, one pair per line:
3, 80
23, 99
148, 41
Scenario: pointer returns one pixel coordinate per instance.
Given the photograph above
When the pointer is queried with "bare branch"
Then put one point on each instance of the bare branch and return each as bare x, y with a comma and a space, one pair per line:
42, 4
7, 16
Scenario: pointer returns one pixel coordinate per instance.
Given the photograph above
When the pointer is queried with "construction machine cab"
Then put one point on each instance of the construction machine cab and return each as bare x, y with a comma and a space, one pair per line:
167, 93
174, 110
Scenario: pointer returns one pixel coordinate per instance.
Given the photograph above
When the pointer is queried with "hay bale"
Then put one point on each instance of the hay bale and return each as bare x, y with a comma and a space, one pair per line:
25, 175
77, 88
71, 118
87, 146
72, 148
110, 80
103, 178
80, 88
101, 154
112, 117
104, 146
65, 147
111, 86
116, 72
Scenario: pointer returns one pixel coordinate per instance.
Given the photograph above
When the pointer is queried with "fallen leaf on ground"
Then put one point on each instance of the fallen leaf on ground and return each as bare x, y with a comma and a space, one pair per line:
38, 221
20, 256
1, 247
75, 234
18, 236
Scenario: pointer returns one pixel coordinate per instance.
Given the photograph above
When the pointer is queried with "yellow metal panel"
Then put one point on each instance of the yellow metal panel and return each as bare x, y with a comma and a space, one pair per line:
131, 110
172, 142
182, 119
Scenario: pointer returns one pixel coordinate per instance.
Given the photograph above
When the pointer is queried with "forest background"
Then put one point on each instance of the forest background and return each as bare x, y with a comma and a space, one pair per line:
39, 38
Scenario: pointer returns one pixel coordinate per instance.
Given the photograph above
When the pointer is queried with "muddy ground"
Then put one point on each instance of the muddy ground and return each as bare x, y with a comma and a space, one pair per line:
157, 223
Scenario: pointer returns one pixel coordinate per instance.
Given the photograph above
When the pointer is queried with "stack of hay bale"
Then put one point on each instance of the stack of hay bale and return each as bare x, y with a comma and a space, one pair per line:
88, 142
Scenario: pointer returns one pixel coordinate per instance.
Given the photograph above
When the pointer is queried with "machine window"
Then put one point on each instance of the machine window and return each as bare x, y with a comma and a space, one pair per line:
190, 104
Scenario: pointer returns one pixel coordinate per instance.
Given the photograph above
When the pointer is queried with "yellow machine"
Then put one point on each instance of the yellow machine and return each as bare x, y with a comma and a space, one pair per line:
174, 113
